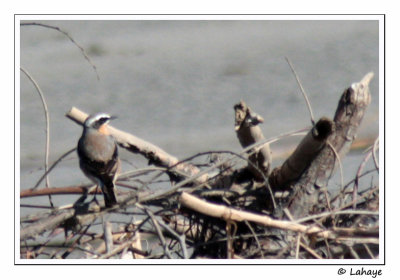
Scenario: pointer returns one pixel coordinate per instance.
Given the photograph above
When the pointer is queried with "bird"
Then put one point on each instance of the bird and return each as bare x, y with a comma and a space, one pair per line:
98, 155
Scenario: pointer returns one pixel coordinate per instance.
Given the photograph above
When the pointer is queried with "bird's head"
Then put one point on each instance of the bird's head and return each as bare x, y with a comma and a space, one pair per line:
99, 122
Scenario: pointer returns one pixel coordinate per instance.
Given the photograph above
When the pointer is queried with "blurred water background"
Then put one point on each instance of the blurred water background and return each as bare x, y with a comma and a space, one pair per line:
174, 83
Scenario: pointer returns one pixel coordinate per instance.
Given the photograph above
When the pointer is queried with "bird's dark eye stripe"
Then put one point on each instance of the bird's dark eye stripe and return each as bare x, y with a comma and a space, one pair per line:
103, 120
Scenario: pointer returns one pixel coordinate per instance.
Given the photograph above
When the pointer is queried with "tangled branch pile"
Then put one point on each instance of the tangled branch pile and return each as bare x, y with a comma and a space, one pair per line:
223, 204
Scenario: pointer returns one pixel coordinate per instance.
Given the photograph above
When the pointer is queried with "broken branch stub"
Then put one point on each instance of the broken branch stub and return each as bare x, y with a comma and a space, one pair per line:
348, 117
301, 158
249, 132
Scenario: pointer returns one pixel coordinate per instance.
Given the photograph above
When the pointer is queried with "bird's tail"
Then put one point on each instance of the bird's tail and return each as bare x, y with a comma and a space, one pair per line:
110, 199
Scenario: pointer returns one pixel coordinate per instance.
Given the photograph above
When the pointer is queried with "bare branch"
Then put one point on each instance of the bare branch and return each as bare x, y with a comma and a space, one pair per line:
47, 118
70, 38
52, 166
159, 232
359, 171
227, 213
376, 146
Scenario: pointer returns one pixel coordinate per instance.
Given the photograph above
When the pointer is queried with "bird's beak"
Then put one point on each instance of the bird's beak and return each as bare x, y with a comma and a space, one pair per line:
113, 117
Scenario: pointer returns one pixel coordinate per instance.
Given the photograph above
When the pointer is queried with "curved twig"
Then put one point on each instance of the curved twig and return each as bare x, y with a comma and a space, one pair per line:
159, 232
70, 38
360, 169
47, 118
375, 147
51, 167
181, 238
255, 238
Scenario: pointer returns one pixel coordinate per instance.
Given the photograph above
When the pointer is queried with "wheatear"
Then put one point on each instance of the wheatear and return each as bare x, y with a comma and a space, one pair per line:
98, 155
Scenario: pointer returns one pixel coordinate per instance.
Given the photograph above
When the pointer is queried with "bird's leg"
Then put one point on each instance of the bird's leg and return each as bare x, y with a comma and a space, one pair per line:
94, 197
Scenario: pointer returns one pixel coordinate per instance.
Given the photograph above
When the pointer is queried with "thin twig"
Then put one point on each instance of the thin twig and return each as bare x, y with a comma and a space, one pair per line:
35, 206
180, 238
369, 251
139, 172
376, 145
300, 236
366, 194
360, 169
70, 38
229, 238
335, 213
159, 232
353, 252
47, 118
118, 249
302, 90
328, 249
362, 175
251, 164
78, 189
311, 251
51, 167
255, 237
297, 245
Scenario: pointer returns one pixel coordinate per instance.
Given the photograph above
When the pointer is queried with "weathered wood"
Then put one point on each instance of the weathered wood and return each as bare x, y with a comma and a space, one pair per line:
348, 117
154, 154
249, 132
302, 157
46, 224
231, 214
58, 191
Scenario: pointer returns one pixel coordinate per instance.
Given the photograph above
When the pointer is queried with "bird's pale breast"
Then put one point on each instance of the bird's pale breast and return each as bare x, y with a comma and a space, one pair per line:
98, 147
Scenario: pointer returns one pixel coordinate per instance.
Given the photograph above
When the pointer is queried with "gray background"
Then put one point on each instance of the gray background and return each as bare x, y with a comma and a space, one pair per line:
174, 83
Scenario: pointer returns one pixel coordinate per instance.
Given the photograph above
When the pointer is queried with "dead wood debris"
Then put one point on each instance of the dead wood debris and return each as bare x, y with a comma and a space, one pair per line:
224, 204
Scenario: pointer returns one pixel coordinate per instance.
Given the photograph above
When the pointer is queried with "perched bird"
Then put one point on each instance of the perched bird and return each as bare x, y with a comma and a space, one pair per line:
98, 155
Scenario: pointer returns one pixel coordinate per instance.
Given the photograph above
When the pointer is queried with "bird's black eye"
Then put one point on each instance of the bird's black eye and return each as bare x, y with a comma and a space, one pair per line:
103, 120
99, 122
